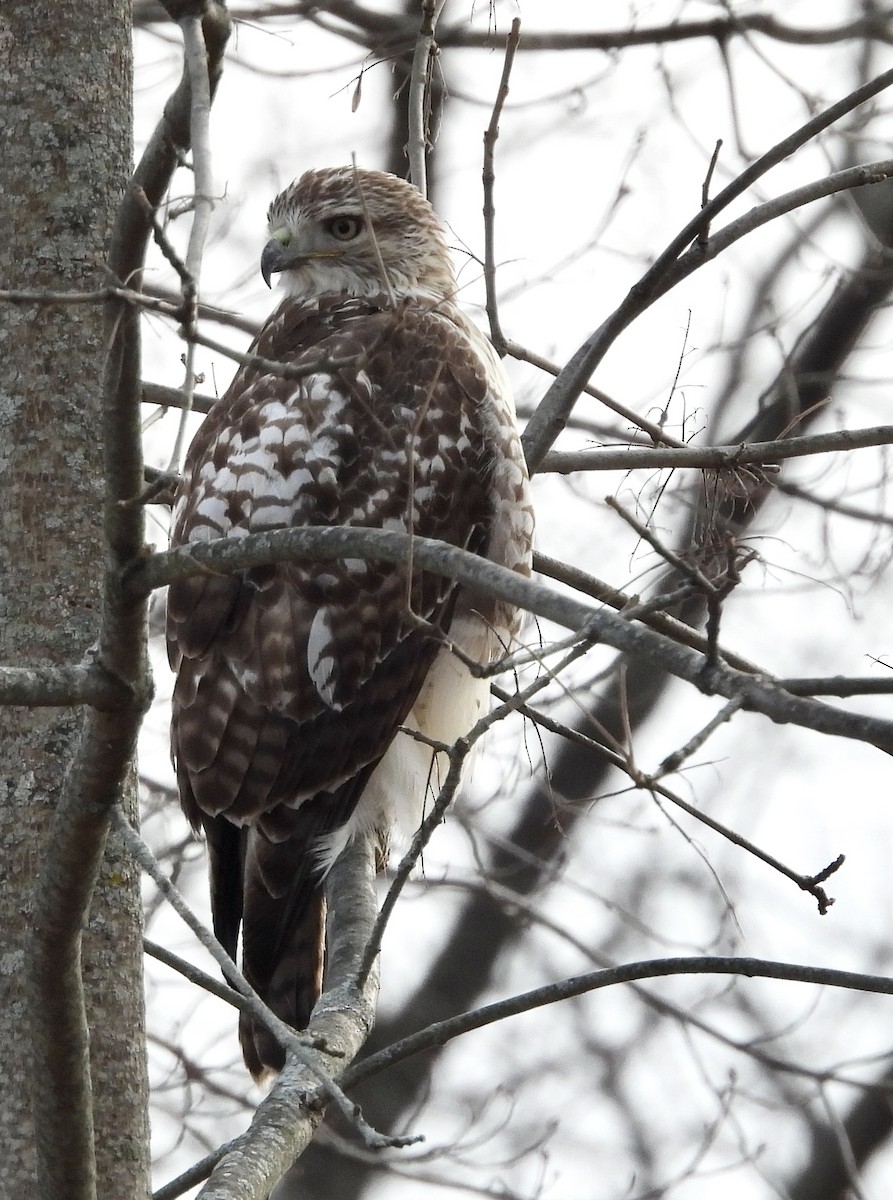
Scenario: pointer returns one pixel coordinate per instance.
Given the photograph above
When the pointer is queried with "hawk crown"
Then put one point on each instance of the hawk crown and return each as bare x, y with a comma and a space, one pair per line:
357, 232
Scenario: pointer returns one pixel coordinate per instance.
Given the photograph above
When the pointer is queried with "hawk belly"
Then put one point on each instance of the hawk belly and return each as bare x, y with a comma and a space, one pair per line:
409, 777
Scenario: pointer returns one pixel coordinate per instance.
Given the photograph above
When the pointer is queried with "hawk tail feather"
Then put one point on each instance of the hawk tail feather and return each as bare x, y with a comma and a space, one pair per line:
283, 944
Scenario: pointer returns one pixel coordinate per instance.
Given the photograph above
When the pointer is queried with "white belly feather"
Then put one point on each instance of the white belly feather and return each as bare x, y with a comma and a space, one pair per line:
408, 779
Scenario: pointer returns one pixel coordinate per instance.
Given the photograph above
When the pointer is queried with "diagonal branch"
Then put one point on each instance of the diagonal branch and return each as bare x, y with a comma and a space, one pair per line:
325, 544
288, 1117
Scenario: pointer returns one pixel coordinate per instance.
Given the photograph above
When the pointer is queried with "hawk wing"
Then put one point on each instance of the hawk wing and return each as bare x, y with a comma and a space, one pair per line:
292, 679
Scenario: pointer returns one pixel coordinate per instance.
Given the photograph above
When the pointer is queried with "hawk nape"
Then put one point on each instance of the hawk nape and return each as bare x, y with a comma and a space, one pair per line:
293, 679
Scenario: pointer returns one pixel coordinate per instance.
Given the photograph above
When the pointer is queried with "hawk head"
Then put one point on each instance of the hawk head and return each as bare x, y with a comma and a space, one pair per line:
361, 233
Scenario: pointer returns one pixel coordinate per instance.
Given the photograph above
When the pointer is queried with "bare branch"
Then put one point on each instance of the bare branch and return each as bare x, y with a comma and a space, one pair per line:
579, 985
871, 24
204, 311
194, 975
717, 457
168, 397
99, 296
300, 1048
552, 413
659, 436
838, 685
705, 191
423, 61
624, 458
369, 27
196, 60
688, 570
148, 863
652, 783
325, 544
457, 756
50, 687
865, 175
195, 1174
287, 1118
491, 135
269, 365
195, 57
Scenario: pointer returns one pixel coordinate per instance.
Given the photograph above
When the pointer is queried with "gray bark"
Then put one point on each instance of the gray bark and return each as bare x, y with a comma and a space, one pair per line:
65, 88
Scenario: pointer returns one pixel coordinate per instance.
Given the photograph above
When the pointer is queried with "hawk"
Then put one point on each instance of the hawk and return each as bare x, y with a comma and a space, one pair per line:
298, 685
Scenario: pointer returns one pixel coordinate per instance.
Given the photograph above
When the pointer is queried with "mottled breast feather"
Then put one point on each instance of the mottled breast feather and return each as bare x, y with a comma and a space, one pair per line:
291, 678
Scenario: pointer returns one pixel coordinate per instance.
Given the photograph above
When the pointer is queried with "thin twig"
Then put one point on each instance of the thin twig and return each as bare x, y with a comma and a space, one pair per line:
704, 231
270, 366
674, 761
871, 24
195, 975
302, 1050
688, 569
457, 755
652, 783
419, 95
196, 60
166, 246
659, 436
148, 863
208, 312
514, 901
196, 1174
491, 135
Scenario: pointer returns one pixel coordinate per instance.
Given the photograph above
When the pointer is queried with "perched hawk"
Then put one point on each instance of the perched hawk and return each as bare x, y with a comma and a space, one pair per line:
293, 680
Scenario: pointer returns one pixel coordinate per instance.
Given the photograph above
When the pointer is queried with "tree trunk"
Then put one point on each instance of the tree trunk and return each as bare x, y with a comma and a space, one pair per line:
65, 94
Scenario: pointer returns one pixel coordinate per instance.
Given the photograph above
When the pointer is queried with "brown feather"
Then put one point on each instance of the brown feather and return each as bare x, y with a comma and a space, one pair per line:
292, 679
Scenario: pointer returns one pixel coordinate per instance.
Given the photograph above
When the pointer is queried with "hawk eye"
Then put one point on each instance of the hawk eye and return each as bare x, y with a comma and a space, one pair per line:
344, 228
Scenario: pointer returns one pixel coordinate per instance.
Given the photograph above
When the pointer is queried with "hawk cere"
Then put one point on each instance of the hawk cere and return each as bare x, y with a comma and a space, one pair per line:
293, 680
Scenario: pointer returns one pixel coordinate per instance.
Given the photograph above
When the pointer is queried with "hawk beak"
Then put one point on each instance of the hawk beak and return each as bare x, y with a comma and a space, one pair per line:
275, 258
